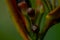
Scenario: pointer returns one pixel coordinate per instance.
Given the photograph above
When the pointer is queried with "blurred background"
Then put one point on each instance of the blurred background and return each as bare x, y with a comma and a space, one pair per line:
8, 30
